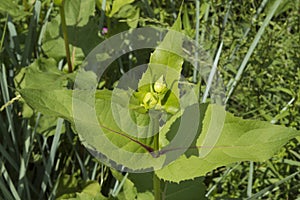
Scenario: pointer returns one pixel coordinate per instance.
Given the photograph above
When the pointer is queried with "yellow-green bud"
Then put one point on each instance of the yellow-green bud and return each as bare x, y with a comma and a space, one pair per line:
149, 100
160, 85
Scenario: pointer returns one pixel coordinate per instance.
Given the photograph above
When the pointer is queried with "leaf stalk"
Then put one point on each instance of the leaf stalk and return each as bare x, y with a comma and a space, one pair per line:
65, 35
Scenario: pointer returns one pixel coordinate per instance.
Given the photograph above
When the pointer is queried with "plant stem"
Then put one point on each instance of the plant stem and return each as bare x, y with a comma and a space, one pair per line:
156, 187
65, 35
156, 180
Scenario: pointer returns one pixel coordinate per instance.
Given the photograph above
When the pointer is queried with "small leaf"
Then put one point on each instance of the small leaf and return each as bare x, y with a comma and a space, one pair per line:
78, 12
13, 9
71, 188
133, 20
117, 5
47, 125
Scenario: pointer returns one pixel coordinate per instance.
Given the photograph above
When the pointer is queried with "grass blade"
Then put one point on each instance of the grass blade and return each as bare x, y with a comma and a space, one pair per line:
269, 188
252, 47
5, 94
212, 73
50, 162
9, 183
14, 42
250, 180
32, 34
44, 27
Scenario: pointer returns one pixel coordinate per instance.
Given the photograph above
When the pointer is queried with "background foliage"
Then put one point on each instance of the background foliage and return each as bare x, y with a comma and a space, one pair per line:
40, 157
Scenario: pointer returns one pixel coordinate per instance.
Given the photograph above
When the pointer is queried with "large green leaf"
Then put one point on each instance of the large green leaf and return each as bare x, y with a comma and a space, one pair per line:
42, 79
103, 137
41, 75
240, 140
101, 134
58, 101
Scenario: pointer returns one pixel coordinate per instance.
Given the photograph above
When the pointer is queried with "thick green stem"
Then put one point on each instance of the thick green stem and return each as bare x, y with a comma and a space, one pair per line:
156, 180
65, 34
156, 187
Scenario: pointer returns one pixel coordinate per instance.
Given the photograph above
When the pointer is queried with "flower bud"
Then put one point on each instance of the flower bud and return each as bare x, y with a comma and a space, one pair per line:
160, 85
149, 100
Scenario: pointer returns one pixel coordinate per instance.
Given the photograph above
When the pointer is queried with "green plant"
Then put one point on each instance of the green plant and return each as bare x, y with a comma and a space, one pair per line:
47, 89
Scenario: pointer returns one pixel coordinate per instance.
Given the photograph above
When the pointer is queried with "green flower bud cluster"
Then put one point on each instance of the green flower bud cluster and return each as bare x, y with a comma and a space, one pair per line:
152, 99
